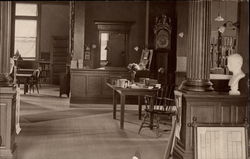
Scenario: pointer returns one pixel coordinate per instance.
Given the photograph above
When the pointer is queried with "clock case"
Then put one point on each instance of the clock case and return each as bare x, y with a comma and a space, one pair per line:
162, 33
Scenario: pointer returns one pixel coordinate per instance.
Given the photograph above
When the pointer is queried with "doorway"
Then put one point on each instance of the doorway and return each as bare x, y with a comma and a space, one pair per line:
113, 49
113, 42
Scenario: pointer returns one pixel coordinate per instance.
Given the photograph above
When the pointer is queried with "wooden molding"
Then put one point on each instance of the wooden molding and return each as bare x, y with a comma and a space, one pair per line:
122, 26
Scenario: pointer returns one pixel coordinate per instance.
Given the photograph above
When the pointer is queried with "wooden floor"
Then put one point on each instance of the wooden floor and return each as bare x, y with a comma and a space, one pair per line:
53, 130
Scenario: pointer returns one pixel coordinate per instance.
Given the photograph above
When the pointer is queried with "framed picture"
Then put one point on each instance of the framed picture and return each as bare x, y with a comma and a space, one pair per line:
146, 58
87, 53
222, 142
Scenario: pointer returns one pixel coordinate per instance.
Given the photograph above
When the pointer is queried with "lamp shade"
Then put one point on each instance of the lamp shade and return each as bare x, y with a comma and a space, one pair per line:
219, 18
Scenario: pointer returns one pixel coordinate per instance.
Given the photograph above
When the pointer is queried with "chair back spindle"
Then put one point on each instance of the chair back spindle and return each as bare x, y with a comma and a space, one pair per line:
161, 104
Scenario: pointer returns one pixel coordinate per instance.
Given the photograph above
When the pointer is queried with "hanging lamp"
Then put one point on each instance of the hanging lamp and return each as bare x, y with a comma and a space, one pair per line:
219, 18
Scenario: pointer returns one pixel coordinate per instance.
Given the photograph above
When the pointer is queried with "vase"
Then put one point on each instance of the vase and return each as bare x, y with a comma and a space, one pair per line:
132, 74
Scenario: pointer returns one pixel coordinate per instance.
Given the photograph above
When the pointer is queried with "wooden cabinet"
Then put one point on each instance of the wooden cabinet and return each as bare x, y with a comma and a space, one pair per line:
65, 84
207, 108
59, 55
7, 122
89, 86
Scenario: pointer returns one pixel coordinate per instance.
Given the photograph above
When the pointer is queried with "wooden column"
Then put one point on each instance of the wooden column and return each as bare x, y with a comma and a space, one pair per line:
7, 123
71, 27
7, 93
5, 28
199, 31
79, 30
147, 24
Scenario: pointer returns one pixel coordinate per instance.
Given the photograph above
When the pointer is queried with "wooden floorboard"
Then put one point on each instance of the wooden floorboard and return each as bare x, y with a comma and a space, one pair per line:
51, 129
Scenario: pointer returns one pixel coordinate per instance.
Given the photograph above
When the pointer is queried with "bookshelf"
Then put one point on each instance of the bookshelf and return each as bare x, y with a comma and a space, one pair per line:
59, 57
45, 76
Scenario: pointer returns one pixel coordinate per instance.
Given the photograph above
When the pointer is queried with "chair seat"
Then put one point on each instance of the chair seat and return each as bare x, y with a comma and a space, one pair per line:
34, 80
169, 112
163, 104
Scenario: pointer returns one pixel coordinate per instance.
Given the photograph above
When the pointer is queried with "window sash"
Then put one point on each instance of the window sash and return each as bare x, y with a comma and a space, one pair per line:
26, 39
26, 9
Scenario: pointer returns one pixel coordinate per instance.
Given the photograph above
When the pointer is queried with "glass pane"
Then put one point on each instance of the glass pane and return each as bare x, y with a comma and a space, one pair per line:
104, 36
25, 37
103, 51
23, 9
104, 42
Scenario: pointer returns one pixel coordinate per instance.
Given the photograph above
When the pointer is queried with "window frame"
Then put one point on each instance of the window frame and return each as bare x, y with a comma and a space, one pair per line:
37, 18
103, 32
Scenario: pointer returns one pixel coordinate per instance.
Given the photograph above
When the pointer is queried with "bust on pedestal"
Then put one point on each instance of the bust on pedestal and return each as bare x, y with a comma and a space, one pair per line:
235, 62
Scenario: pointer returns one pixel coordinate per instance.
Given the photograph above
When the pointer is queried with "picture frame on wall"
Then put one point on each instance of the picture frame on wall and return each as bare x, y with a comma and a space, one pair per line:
146, 58
87, 53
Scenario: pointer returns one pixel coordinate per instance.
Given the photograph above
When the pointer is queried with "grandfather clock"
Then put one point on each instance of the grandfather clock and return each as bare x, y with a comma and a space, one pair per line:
164, 55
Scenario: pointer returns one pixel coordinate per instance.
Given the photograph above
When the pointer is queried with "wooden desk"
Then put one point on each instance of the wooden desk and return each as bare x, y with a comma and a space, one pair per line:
128, 91
91, 84
25, 76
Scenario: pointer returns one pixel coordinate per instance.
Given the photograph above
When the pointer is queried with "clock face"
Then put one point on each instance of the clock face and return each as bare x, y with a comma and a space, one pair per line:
162, 39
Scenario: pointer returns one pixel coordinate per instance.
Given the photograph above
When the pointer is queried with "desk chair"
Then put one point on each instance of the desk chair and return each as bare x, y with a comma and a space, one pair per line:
34, 80
156, 107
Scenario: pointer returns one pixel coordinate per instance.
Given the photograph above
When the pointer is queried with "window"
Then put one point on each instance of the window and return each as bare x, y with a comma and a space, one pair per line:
26, 24
104, 46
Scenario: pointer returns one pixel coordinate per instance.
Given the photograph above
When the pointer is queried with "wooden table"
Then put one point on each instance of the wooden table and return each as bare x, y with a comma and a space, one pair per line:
26, 77
25, 70
128, 91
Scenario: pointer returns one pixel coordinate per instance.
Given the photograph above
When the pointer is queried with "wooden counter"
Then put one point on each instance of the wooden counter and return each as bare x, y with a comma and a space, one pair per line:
207, 108
89, 85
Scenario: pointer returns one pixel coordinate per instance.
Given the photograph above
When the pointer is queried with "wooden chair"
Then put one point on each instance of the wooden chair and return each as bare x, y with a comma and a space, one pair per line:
156, 107
34, 80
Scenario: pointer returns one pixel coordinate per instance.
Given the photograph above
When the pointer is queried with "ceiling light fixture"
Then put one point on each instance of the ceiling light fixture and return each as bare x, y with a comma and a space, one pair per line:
219, 18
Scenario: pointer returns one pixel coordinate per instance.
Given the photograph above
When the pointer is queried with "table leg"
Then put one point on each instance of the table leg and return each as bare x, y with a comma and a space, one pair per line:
114, 103
122, 111
25, 89
26, 85
151, 114
140, 107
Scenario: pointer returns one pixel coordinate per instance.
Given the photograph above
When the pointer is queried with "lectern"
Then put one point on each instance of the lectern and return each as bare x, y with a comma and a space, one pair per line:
208, 108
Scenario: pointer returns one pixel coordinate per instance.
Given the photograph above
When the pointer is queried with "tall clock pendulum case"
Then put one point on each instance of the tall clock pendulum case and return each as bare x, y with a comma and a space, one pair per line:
162, 47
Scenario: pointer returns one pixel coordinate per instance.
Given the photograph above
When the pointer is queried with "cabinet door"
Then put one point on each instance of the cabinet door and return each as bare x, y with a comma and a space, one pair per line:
94, 86
79, 89
106, 91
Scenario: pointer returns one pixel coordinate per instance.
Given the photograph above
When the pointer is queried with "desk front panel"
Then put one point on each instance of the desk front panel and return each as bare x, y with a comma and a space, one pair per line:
89, 86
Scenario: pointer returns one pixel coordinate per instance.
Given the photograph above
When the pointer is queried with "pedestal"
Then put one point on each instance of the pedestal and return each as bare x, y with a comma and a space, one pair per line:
7, 122
207, 107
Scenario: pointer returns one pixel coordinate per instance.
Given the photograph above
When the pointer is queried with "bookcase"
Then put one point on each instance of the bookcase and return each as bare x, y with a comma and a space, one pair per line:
45, 75
59, 57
